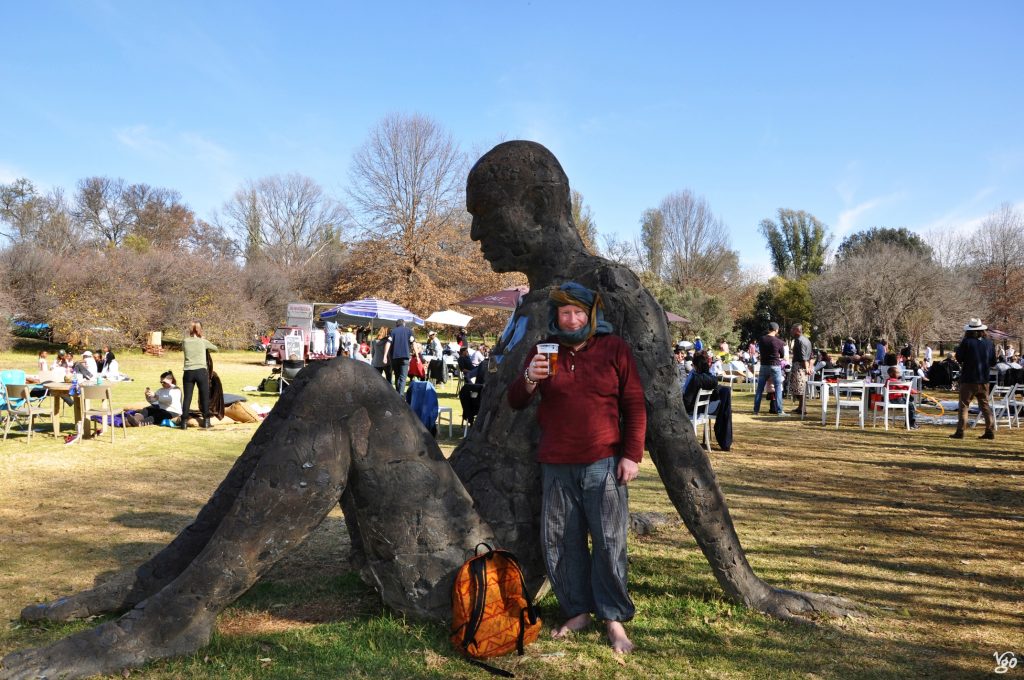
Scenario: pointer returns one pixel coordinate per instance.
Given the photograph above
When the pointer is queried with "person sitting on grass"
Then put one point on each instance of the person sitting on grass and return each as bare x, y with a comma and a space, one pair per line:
165, 403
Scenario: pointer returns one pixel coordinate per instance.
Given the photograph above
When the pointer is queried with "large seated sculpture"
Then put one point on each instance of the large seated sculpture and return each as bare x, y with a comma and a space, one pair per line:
415, 515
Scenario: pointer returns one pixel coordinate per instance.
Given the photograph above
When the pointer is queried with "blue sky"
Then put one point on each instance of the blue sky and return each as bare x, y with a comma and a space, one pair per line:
896, 114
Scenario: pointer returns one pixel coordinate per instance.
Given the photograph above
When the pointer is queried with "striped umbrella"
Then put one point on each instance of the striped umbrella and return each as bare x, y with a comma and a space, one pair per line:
378, 312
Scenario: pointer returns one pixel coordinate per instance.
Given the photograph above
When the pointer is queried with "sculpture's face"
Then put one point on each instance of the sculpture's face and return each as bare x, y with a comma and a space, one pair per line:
508, 239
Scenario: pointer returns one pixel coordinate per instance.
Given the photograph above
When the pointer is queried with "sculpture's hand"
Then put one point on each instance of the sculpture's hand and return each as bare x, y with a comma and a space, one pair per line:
803, 607
627, 470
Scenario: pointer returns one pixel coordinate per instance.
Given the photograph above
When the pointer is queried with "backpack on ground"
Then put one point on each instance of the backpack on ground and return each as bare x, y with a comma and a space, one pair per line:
491, 612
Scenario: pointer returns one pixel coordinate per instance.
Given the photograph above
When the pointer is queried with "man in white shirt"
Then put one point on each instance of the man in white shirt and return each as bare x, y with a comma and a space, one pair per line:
476, 356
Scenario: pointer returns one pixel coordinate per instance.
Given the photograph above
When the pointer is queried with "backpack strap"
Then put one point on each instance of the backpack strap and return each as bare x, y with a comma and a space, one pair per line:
530, 609
490, 669
522, 632
477, 570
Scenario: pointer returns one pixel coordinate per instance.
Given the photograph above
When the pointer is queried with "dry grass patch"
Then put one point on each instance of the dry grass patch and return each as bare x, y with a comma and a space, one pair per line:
923, 532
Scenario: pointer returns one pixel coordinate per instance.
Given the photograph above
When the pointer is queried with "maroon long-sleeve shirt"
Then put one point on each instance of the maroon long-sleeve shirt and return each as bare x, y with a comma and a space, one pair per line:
580, 407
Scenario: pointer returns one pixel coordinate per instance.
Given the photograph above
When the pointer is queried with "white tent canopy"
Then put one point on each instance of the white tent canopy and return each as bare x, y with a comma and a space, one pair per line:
449, 318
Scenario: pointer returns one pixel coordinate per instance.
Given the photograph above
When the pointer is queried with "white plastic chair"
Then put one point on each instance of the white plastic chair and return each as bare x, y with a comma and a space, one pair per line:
827, 388
700, 415
892, 391
849, 394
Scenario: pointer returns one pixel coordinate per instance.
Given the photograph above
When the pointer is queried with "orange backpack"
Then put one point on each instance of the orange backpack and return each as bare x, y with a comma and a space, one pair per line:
491, 613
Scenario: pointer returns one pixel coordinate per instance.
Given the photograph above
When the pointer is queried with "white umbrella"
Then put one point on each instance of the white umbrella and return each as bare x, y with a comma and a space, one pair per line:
449, 318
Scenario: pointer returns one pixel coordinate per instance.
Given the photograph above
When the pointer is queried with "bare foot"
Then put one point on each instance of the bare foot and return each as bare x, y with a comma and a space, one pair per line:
573, 625
621, 644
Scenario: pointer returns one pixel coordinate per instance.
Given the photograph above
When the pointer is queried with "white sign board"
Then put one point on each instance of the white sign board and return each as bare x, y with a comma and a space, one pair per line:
293, 346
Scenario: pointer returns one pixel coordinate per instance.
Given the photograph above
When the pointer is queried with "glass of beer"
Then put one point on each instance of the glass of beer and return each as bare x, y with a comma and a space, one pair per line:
550, 350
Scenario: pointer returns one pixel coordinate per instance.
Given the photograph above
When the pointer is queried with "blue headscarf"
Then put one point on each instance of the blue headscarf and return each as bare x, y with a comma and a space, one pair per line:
572, 293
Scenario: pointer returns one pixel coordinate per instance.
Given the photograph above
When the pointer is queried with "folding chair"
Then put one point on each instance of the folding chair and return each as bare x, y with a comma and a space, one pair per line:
850, 394
1003, 405
893, 391
16, 405
106, 410
700, 415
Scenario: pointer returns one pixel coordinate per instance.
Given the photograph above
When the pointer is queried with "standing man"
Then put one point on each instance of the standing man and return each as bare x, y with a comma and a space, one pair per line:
397, 353
331, 337
976, 355
801, 365
593, 420
771, 349
927, 356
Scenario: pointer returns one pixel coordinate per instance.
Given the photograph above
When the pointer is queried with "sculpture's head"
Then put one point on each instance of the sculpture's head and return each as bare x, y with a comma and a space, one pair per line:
518, 195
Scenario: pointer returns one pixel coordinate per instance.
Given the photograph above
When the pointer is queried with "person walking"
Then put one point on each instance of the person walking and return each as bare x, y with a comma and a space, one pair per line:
397, 352
976, 355
593, 421
195, 373
771, 349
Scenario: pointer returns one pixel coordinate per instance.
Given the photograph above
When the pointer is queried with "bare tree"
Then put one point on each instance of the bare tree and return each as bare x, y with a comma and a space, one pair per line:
407, 184
158, 216
949, 248
288, 219
100, 207
696, 243
892, 294
997, 251
32, 217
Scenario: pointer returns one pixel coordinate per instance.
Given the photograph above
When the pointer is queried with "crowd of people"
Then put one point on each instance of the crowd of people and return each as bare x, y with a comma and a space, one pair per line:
781, 368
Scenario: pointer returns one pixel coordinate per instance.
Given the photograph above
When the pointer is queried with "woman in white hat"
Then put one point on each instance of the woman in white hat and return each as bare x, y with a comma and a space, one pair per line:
976, 355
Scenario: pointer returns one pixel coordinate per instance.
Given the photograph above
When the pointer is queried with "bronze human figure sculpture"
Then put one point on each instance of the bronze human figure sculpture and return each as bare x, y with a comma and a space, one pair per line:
415, 516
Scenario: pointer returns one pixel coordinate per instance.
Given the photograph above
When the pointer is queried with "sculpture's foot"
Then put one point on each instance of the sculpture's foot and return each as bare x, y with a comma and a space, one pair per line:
800, 607
103, 599
132, 640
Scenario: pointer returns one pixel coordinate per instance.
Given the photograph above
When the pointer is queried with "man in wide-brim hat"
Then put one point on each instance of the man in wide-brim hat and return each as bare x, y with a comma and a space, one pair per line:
976, 355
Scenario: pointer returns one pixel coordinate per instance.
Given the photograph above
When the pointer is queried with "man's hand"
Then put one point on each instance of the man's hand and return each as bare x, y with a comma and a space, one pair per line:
627, 471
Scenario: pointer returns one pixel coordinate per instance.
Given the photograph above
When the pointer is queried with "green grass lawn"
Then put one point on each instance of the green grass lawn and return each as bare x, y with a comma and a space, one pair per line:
922, 532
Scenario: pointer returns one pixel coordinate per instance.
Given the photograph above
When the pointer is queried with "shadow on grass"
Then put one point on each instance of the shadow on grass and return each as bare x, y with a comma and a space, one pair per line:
163, 521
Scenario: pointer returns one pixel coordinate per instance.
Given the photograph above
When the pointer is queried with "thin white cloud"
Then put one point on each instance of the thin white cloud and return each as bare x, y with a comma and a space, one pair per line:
849, 218
211, 167
847, 186
961, 224
141, 138
962, 217
207, 150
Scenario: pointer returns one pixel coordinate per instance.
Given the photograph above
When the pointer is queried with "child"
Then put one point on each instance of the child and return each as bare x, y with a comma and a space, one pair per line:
895, 377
